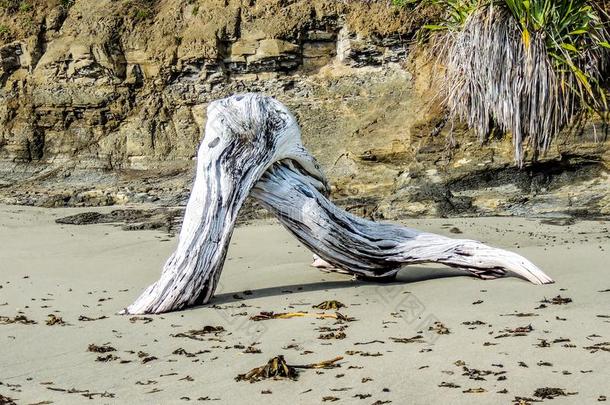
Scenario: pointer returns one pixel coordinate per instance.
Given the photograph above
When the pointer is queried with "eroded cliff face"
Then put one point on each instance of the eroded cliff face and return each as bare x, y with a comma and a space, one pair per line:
102, 101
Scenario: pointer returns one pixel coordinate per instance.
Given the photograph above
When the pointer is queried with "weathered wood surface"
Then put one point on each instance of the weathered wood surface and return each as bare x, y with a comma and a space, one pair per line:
252, 144
374, 249
244, 135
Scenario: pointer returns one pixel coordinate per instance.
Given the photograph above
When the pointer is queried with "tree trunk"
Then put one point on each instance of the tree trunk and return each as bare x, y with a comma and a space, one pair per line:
253, 143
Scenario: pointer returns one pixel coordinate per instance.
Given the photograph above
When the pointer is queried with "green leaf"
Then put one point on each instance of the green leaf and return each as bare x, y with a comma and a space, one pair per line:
569, 47
433, 27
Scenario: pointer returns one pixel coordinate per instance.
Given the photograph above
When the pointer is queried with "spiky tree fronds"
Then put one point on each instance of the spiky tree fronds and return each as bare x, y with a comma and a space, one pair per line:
492, 80
527, 67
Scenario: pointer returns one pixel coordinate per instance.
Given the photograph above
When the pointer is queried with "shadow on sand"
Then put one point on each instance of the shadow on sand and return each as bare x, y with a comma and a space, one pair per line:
408, 275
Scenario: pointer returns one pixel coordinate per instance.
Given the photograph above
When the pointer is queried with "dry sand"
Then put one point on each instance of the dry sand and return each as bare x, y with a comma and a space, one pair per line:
96, 270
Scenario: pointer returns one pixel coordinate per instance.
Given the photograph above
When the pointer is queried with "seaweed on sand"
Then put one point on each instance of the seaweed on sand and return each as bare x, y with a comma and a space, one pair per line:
196, 334
105, 348
277, 368
21, 319
331, 304
266, 315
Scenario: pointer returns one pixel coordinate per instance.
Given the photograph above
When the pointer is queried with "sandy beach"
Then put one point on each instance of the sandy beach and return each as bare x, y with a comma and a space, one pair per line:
434, 336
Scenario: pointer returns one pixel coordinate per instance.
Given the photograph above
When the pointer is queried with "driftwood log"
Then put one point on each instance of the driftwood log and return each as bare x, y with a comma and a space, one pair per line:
252, 145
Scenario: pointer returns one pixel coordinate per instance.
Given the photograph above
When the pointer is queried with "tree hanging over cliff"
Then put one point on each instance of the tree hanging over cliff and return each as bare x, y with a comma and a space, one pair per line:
528, 67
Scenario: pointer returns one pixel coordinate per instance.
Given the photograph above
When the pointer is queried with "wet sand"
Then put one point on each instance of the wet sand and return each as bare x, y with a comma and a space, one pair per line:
502, 342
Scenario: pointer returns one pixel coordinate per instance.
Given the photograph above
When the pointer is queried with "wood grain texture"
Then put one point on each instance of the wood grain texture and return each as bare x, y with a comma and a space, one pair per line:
253, 144
374, 249
244, 135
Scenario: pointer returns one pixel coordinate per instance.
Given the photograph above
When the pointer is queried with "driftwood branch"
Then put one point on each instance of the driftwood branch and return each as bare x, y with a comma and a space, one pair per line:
252, 144
374, 249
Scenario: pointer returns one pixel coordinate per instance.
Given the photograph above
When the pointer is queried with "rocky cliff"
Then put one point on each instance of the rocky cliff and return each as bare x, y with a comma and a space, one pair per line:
101, 103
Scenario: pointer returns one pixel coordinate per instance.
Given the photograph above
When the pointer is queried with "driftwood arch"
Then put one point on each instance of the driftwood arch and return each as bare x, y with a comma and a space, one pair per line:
252, 144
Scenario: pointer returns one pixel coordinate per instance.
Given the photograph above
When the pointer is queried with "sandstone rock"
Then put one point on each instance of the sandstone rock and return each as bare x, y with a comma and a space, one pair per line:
273, 48
244, 48
97, 108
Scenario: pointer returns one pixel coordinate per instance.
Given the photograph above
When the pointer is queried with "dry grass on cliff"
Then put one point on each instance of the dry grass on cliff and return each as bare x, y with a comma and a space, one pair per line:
386, 18
21, 18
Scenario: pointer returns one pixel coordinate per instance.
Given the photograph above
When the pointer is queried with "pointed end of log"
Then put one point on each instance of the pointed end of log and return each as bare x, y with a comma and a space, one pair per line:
540, 278
527, 270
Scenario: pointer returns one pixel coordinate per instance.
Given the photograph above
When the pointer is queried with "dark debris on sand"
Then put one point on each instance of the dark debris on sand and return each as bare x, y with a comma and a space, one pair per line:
20, 319
327, 305
475, 391
105, 348
479, 375
106, 358
525, 400
521, 314
198, 334
518, 331
7, 400
182, 352
84, 393
143, 319
414, 339
267, 315
83, 318
550, 393
145, 357
603, 346
363, 354
558, 300
448, 385
277, 368
55, 320
439, 328
332, 335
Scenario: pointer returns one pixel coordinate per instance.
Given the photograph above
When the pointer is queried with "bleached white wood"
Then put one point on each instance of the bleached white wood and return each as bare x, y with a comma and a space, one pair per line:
373, 249
244, 135
253, 143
